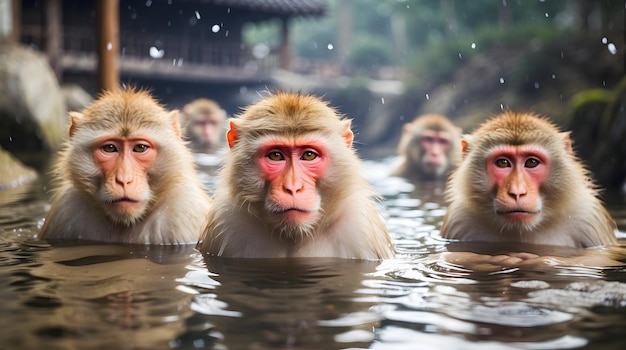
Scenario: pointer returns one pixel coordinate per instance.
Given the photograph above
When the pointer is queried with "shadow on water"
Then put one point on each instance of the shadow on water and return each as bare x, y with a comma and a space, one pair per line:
107, 296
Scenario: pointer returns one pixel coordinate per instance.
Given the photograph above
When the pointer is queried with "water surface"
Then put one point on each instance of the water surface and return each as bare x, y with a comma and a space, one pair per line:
107, 296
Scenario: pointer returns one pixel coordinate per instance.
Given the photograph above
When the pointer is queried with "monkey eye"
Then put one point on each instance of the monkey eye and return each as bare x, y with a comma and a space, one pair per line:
532, 163
428, 139
140, 148
443, 142
109, 148
502, 163
275, 155
309, 155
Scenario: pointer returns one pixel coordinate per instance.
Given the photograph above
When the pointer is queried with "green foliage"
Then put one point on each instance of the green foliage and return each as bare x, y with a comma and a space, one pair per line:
442, 58
367, 53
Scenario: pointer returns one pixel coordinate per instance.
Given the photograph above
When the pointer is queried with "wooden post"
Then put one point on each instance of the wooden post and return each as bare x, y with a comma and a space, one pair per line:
108, 41
54, 36
16, 7
285, 54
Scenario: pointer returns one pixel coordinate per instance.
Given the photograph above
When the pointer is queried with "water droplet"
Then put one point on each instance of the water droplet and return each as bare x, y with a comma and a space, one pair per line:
501, 80
148, 3
330, 46
382, 100
501, 107
156, 53
612, 48
473, 45
553, 76
460, 56
197, 15
427, 97
109, 46
547, 15
536, 85
215, 28
605, 40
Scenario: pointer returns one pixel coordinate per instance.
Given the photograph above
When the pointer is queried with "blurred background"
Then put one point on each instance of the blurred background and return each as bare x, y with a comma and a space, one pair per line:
379, 62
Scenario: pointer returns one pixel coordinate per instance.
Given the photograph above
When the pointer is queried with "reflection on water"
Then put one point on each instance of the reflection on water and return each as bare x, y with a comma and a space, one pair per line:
105, 296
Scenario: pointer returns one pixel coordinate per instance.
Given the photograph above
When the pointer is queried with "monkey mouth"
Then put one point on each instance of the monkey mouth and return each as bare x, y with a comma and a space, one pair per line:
517, 214
124, 199
292, 209
125, 202
294, 215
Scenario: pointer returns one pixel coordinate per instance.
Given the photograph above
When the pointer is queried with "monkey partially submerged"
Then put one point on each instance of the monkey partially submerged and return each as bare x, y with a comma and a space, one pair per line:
292, 186
125, 175
520, 181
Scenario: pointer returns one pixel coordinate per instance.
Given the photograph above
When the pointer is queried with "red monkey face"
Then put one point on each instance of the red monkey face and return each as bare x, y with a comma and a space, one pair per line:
517, 174
124, 162
292, 170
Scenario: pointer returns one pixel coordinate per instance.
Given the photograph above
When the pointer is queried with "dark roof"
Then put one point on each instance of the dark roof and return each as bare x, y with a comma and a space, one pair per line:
277, 7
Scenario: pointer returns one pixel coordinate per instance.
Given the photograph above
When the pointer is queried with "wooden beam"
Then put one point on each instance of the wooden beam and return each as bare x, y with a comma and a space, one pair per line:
108, 41
285, 49
17, 20
54, 35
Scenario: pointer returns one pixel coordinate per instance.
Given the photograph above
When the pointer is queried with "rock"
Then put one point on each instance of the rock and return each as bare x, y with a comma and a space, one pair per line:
76, 98
33, 116
12, 172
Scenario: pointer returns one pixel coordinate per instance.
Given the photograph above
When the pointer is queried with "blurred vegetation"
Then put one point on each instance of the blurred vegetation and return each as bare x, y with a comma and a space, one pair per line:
433, 38
471, 59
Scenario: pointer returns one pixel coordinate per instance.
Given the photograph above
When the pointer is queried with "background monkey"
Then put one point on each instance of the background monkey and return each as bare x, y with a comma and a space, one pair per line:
430, 147
204, 124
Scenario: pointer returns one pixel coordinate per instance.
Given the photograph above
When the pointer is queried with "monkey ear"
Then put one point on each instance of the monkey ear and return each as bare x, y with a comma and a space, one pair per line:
568, 142
406, 128
74, 118
465, 144
232, 134
175, 123
348, 135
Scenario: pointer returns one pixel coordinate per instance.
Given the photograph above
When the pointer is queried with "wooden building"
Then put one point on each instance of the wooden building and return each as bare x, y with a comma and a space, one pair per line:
184, 41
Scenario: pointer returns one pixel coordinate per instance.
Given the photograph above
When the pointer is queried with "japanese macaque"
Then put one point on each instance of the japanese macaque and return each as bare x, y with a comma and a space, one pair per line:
125, 175
204, 124
430, 147
291, 186
520, 181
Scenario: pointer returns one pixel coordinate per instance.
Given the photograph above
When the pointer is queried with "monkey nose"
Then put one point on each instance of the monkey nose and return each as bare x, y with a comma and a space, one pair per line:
292, 190
124, 178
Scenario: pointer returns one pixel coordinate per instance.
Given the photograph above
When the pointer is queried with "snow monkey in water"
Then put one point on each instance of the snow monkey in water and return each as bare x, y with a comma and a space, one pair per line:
125, 175
291, 186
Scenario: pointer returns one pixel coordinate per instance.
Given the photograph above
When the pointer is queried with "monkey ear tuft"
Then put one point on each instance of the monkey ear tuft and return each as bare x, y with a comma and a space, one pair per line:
175, 123
567, 142
232, 135
348, 135
74, 119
